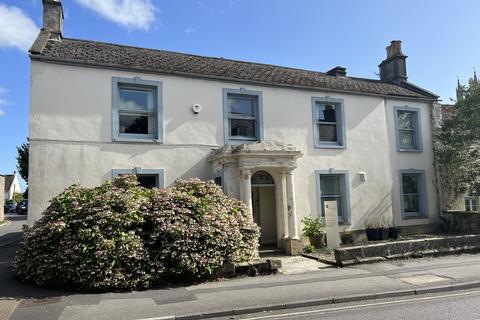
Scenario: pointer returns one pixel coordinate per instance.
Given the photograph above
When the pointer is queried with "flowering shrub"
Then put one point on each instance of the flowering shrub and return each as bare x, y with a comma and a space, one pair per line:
121, 236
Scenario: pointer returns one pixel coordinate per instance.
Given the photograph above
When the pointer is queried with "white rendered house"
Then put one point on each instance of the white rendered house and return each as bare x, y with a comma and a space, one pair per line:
283, 140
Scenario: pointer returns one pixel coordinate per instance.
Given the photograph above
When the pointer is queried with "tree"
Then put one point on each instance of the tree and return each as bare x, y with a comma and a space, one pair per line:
22, 160
458, 154
17, 197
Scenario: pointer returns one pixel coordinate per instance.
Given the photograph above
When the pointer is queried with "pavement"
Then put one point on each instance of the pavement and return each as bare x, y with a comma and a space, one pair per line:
303, 283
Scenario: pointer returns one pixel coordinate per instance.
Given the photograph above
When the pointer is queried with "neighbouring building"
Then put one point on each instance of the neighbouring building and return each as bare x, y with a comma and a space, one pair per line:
283, 140
12, 186
467, 202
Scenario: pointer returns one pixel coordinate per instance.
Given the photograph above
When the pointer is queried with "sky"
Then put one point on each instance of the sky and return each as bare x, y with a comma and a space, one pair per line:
441, 38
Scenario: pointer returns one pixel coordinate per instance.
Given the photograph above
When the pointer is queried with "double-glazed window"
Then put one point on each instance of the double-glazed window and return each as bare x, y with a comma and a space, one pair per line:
334, 187
148, 178
243, 121
471, 204
413, 193
407, 123
329, 126
137, 110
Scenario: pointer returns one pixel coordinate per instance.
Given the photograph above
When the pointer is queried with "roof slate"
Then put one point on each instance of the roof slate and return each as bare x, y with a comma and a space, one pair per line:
159, 61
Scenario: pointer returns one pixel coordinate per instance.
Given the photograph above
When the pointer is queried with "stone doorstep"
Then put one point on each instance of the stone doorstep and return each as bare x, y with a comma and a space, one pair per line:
407, 249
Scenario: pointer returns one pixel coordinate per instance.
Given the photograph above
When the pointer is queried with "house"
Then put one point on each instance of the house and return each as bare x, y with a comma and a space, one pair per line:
12, 186
283, 140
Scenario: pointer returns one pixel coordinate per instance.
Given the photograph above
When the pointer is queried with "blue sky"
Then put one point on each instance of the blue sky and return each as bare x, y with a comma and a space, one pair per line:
441, 38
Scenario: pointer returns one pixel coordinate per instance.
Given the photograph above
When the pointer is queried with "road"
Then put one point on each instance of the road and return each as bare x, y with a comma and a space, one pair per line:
463, 305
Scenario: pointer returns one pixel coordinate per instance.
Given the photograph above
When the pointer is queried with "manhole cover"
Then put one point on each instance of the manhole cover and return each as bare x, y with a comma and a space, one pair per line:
423, 279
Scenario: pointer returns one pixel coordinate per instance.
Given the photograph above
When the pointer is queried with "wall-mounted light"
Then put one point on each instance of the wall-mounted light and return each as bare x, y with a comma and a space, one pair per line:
362, 176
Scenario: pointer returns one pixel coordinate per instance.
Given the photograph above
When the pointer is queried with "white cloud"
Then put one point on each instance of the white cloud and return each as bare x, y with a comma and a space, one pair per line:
2, 104
190, 30
17, 30
133, 14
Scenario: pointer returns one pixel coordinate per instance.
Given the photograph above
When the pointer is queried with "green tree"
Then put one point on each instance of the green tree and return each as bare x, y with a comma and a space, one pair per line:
17, 197
459, 149
22, 160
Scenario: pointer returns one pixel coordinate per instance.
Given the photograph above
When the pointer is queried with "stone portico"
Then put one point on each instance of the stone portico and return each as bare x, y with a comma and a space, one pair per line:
234, 166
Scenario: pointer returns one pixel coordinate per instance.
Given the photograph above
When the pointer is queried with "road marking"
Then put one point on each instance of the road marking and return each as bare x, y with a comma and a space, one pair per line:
362, 306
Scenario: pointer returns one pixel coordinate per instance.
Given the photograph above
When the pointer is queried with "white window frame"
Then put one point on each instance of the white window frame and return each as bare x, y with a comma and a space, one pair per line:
417, 136
340, 123
132, 83
471, 204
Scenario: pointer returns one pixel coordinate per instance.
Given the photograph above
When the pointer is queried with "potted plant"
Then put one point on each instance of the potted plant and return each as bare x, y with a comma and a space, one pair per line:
347, 237
377, 229
372, 231
312, 228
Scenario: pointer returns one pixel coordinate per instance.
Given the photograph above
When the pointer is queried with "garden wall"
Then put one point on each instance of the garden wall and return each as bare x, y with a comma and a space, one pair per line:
461, 221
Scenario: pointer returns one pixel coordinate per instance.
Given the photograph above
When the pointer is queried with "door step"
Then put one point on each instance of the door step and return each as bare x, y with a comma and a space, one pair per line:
263, 252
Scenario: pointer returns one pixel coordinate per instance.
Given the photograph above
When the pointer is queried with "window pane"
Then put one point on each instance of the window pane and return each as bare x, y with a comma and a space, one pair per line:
242, 128
147, 181
411, 203
410, 183
406, 120
407, 138
133, 99
242, 106
467, 205
339, 204
330, 185
327, 132
326, 113
136, 124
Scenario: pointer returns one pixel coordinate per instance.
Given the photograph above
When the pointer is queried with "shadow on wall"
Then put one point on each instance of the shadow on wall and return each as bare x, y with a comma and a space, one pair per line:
381, 211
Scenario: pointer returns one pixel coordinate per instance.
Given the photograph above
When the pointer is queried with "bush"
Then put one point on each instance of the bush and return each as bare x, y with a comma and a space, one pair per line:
121, 236
312, 226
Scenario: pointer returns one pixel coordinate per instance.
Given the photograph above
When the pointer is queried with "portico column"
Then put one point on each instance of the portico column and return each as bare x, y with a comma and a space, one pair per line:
246, 188
292, 216
282, 203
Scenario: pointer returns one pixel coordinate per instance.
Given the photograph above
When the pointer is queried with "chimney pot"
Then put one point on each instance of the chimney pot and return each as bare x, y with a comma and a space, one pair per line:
53, 18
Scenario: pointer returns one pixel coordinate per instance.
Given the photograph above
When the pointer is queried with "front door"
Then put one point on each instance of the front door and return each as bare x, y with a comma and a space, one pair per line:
263, 203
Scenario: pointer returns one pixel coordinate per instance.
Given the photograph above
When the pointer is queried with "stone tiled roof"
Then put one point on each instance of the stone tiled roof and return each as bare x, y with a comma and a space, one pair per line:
159, 61
8, 181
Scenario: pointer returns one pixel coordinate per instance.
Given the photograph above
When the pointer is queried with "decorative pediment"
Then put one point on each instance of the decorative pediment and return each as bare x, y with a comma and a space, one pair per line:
264, 153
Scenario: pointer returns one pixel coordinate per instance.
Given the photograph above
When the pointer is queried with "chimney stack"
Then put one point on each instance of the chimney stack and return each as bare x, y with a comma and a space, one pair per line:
394, 68
53, 18
337, 72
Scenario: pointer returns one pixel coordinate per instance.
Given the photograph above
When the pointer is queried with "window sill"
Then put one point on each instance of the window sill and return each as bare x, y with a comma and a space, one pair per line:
138, 140
414, 217
330, 146
410, 150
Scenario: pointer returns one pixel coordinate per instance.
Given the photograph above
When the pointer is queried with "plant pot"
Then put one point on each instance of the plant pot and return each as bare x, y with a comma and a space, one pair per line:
317, 241
393, 232
383, 233
347, 238
372, 234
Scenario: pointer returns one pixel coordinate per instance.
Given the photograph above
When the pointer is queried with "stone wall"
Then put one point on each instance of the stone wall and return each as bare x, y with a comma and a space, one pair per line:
461, 221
